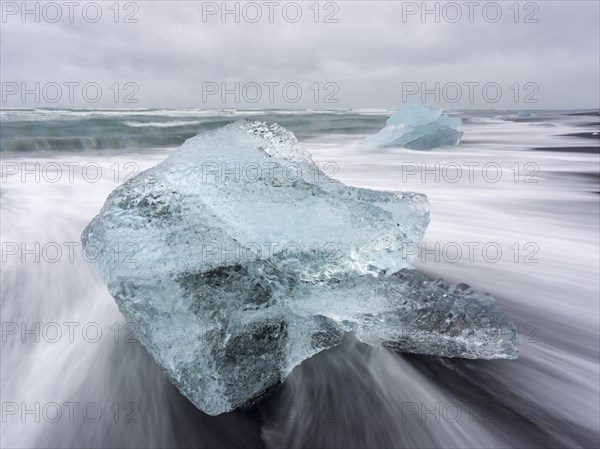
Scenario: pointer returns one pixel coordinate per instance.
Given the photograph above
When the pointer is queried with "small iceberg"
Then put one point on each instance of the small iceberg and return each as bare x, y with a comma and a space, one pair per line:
418, 127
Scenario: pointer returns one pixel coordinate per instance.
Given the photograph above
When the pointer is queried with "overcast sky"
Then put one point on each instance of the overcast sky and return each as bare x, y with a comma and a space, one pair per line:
376, 54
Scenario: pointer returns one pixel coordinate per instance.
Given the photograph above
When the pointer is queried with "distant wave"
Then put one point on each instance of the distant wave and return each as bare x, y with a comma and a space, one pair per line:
23, 130
163, 124
83, 143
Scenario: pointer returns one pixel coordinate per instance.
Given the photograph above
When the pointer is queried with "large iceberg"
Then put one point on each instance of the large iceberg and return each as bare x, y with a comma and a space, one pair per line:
418, 128
244, 259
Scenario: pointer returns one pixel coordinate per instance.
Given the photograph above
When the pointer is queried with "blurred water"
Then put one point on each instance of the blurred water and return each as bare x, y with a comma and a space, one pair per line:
509, 215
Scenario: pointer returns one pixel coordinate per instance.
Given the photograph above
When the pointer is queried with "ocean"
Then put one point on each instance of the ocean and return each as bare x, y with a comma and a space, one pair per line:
514, 212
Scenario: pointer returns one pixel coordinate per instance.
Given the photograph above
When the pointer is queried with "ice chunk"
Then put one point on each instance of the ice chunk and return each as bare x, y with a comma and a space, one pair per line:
240, 258
418, 128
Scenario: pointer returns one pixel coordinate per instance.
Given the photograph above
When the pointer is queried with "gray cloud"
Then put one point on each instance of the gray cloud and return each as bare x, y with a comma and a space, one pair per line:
368, 54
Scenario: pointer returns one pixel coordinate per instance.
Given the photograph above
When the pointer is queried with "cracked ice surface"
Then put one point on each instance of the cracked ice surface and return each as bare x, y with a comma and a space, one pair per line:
249, 259
418, 128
